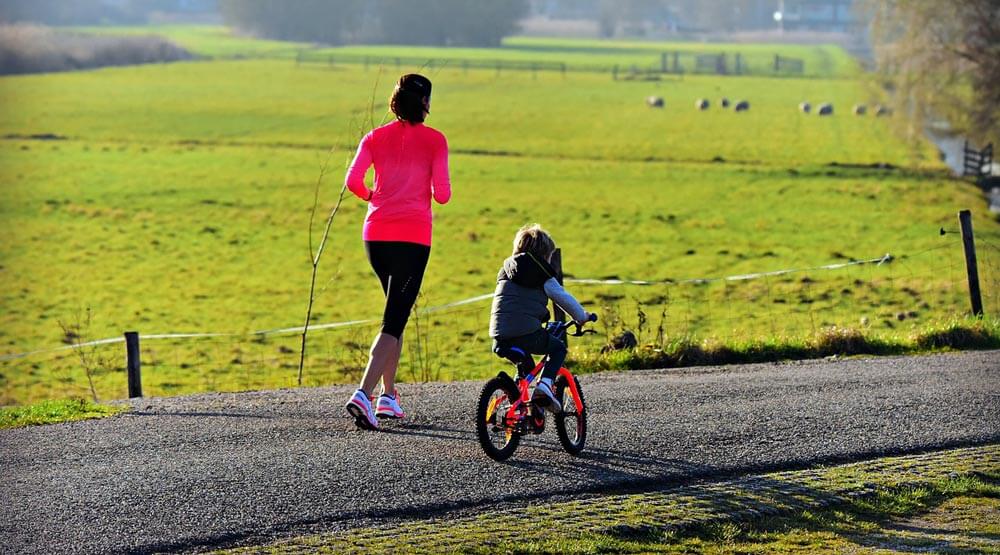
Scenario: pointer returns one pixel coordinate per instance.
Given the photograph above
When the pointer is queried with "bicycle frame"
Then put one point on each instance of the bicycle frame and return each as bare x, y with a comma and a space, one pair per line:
516, 412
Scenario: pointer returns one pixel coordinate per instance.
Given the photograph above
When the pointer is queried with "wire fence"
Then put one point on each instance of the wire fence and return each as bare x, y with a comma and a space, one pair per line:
656, 63
892, 295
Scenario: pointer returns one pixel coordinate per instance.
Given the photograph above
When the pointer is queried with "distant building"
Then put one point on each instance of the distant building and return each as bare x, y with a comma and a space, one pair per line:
817, 15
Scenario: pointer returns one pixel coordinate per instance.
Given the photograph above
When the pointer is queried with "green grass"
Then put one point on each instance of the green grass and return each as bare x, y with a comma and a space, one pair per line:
579, 117
179, 202
53, 412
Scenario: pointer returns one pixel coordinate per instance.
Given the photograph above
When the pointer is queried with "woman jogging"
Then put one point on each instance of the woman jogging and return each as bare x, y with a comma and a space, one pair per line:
411, 167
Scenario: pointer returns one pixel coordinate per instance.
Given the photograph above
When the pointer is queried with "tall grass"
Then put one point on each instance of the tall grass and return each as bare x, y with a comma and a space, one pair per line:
36, 49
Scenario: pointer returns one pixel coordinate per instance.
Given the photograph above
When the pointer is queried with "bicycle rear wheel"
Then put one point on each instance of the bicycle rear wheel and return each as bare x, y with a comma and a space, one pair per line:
497, 435
571, 422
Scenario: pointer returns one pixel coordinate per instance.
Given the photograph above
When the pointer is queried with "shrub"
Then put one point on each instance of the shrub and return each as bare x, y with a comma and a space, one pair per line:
37, 49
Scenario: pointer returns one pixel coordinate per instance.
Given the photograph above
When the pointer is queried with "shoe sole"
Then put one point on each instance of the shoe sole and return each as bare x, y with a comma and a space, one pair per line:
547, 404
390, 415
360, 420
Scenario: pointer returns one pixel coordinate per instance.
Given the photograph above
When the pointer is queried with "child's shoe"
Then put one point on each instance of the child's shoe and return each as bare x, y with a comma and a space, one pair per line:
388, 406
544, 397
360, 407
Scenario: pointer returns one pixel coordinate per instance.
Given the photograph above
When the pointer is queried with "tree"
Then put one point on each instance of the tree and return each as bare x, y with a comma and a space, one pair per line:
940, 59
430, 22
323, 21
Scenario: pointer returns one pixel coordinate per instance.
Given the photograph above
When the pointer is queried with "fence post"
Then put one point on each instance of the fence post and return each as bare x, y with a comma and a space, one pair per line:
557, 313
777, 63
965, 219
132, 356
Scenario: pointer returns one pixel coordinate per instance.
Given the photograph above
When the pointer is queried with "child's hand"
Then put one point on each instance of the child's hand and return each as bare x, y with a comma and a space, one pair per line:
590, 317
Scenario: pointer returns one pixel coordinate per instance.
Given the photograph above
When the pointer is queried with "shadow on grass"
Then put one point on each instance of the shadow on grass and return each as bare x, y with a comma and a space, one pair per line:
883, 520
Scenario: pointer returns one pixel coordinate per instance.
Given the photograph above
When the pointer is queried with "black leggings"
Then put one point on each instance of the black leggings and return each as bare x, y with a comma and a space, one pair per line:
400, 268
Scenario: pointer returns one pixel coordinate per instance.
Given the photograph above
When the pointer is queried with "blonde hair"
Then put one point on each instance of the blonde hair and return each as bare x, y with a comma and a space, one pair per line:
534, 240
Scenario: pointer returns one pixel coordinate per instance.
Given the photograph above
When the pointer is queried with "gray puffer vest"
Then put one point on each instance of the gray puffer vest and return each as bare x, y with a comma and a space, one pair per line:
520, 305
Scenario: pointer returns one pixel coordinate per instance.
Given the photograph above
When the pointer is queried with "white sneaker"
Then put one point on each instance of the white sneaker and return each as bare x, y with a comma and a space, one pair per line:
360, 407
388, 406
544, 397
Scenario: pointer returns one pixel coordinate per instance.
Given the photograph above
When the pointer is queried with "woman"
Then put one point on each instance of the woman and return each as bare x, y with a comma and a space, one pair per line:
411, 167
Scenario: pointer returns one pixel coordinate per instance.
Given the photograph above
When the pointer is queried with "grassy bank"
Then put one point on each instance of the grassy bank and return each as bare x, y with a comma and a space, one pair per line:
955, 335
53, 412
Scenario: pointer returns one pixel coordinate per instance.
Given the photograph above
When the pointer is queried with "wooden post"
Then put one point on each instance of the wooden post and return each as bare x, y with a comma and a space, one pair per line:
677, 62
132, 356
663, 62
965, 219
557, 313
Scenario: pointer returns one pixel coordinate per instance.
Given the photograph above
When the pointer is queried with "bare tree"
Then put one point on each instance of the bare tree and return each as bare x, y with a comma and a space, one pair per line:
93, 361
940, 59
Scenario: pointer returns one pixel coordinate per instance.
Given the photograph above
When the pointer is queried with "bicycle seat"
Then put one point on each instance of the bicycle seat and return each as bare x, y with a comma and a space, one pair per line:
524, 362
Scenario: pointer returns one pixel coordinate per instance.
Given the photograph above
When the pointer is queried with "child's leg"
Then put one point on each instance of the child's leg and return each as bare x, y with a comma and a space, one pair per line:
541, 342
556, 350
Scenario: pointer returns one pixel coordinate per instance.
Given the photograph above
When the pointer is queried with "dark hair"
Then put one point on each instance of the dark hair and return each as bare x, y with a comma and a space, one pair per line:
410, 98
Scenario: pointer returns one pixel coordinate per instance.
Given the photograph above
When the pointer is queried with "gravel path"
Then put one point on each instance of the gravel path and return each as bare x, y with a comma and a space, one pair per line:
226, 469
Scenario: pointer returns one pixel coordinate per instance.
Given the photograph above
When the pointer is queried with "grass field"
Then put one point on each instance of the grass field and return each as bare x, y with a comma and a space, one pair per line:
179, 196
577, 54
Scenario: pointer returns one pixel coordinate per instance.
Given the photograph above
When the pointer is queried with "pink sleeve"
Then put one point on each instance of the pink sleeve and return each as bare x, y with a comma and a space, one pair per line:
355, 179
439, 174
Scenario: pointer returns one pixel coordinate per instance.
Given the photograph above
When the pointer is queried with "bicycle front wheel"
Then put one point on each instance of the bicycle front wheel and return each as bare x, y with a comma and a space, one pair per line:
571, 422
497, 434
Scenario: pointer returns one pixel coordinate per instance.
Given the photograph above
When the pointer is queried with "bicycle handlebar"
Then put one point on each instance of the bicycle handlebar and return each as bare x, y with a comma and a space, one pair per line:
579, 327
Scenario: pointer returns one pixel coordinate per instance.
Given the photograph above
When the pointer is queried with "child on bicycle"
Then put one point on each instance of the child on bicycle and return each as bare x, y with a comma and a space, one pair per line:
525, 284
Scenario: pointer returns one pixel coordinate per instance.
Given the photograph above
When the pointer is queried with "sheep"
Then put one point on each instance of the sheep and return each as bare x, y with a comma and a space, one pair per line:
860, 109
881, 110
701, 104
825, 109
724, 102
805, 107
654, 101
742, 106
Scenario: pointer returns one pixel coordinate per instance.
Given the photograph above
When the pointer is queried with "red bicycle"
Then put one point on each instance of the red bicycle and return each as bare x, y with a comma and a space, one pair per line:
505, 412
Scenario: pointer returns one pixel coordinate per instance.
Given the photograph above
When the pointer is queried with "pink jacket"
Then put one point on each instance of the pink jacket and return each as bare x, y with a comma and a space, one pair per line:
411, 166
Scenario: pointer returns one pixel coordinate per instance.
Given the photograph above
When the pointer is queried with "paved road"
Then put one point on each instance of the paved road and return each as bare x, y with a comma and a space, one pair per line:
222, 469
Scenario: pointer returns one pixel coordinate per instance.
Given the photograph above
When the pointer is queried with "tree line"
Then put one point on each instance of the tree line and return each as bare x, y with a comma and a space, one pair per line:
940, 60
427, 22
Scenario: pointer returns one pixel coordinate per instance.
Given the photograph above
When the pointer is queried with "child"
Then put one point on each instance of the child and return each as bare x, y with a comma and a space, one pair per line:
525, 284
